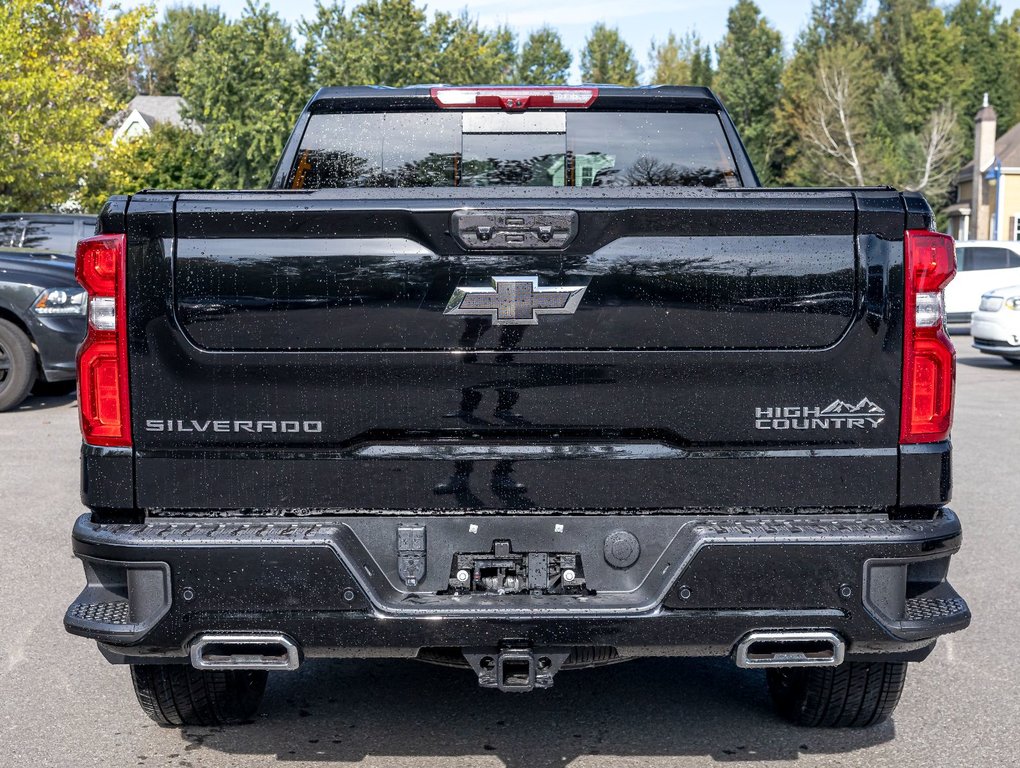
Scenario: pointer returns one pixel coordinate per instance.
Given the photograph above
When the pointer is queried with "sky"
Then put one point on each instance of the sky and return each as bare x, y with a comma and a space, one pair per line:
639, 21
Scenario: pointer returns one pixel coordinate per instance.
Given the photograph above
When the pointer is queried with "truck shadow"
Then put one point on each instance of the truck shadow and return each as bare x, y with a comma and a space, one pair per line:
347, 711
987, 361
46, 402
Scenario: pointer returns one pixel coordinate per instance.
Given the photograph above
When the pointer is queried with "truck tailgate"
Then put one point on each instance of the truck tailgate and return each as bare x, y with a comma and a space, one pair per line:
307, 352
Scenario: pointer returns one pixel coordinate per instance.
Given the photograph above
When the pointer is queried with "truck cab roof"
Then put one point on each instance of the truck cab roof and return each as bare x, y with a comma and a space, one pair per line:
637, 98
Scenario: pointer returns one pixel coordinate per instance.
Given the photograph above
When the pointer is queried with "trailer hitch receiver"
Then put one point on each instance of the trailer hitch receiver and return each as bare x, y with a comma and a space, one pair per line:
516, 669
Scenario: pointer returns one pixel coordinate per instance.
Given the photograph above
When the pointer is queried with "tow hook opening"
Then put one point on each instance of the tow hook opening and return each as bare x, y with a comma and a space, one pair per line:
790, 649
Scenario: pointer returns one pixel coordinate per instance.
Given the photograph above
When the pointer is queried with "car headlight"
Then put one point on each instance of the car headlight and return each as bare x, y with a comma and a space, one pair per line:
990, 303
1013, 302
61, 301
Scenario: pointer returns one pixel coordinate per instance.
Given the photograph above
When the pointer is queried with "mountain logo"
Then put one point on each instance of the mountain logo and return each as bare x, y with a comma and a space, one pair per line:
864, 406
839, 414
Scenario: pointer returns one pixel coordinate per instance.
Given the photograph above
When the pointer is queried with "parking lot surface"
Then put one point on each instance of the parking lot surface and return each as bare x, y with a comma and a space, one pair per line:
61, 704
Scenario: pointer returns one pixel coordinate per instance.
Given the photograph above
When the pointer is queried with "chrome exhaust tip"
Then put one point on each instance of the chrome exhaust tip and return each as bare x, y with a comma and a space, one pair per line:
790, 649
244, 651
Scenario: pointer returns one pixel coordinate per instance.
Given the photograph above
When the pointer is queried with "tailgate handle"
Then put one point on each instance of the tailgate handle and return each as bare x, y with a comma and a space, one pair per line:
514, 230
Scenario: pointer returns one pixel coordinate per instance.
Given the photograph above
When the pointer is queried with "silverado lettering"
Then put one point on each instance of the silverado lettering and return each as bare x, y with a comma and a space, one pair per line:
193, 425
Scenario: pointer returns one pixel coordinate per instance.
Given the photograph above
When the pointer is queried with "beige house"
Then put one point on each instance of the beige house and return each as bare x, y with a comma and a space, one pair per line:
988, 188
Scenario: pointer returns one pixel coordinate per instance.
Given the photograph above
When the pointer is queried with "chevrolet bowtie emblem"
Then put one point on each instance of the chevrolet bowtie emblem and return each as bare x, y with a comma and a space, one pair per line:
515, 300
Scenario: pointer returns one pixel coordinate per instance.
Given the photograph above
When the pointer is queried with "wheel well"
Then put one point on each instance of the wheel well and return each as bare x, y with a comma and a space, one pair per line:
6, 314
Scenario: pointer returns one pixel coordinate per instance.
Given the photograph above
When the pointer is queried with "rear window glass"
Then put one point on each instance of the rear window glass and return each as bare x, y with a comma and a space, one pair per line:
537, 149
974, 259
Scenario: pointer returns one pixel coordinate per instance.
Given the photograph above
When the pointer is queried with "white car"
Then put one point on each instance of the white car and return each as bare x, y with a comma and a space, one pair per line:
995, 327
981, 266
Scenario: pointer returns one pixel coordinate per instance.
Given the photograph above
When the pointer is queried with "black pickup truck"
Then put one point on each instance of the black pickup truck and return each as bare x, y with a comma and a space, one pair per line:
523, 380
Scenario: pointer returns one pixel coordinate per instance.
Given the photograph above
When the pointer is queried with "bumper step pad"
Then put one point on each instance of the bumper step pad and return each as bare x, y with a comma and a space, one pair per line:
930, 608
112, 613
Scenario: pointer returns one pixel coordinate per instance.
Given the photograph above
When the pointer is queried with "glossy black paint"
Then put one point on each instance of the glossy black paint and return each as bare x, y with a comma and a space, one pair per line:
271, 318
24, 274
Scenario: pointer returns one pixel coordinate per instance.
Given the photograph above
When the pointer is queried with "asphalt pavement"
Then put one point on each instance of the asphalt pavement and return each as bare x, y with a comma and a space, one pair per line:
61, 704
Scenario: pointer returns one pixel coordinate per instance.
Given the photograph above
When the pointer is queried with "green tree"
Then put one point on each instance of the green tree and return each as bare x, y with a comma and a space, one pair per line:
392, 42
174, 40
245, 85
381, 42
169, 157
930, 69
62, 65
607, 58
988, 50
681, 61
831, 23
701, 67
461, 52
1007, 89
853, 129
750, 64
893, 31
543, 59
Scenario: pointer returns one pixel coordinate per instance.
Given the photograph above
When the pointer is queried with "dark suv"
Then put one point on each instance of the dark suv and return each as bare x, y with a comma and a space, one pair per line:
42, 307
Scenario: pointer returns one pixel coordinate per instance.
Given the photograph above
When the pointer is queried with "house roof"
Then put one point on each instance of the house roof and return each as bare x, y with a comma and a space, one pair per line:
1007, 151
158, 109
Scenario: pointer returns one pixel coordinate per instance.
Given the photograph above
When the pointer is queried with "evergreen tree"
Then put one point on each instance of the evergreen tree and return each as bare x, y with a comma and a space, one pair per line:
245, 86
681, 61
544, 60
392, 42
750, 65
832, 22
988, 51
893, 31
607, 58
1007, 90
929, 68
174, 40
463, 53
701, 67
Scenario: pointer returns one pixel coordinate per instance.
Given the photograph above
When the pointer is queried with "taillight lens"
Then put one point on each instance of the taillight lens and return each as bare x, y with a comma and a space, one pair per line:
103, 399
929, 360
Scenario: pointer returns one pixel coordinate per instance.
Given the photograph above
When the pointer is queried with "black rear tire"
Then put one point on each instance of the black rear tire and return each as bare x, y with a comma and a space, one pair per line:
17, 365
177, 694
855, 694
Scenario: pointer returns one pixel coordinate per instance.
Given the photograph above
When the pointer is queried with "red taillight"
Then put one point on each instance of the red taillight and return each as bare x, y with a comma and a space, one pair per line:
514, 98
103, 399
929, 360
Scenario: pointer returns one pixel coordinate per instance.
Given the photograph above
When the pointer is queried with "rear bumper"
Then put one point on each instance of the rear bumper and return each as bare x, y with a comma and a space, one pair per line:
997, 333
699, 585
997, 347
